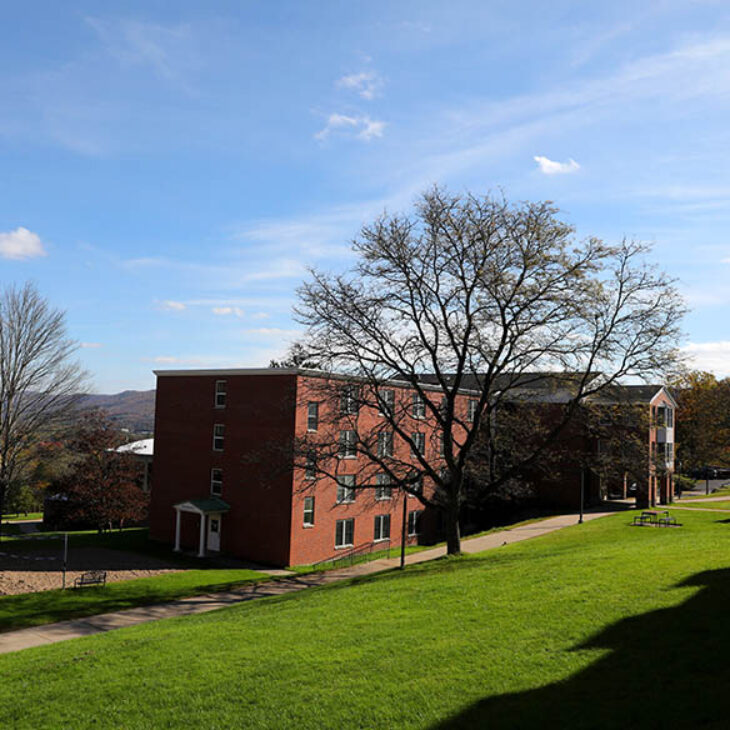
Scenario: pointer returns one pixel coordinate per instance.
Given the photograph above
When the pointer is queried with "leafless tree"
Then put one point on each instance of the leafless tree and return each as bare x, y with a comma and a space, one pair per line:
479, 294
39, 380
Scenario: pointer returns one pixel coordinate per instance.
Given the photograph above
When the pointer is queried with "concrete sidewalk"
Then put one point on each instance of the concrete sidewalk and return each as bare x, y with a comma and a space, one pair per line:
76, 628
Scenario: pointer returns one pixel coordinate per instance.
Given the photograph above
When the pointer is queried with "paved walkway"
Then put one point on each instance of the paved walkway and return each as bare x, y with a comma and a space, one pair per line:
76, 628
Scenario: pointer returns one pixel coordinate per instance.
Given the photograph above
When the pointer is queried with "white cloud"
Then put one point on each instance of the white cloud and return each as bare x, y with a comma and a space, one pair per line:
21, 244
272, 332
225, 311
711, 356
261, 315
367, 84
172, 306
550, 167
360, 127
91, 345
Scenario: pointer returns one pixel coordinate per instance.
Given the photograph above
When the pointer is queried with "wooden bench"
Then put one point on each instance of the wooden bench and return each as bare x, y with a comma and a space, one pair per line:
91, 578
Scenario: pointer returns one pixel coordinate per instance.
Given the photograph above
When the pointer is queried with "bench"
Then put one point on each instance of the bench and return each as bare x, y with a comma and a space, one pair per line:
91, 578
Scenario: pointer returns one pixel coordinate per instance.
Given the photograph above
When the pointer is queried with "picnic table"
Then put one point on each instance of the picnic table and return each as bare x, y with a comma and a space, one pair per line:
656, 518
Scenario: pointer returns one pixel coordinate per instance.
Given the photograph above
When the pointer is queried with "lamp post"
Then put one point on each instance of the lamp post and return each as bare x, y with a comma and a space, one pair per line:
403, 531
582, 494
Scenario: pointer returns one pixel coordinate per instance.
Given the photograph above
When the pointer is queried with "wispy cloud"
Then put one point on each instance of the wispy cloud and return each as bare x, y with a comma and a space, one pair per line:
228, 311
360, 127
711, 356
366, 84
91, 345
173, 306
551, 167
21, 244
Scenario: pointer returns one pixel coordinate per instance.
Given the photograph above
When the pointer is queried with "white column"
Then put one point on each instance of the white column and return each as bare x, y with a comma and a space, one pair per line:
201, 551
177, 530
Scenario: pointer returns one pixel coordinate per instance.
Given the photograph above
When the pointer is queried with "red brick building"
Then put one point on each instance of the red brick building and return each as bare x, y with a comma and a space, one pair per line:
225, 477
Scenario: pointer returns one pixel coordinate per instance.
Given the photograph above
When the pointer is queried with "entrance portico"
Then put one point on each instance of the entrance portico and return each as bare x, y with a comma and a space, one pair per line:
210, 510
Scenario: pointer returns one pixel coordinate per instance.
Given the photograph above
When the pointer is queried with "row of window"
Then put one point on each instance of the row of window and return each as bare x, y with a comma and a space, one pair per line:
665, 450
350, 403
345, 529
349, 439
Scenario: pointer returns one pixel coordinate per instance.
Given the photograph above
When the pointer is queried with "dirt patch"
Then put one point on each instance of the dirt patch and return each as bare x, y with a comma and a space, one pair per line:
40, 569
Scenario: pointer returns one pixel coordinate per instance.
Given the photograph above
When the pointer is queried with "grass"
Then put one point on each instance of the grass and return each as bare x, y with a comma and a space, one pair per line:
22, 516
723, 504
720, 492
600, 625
33, 609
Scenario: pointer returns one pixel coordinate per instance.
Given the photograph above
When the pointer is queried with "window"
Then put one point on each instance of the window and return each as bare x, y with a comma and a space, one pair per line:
471, 411
308, 511
312, 416
385, 443
418, 406
218, 433
344, 533
214, 525
669, 452
220, 393
345, 488
442, 446
383, 488
416, 484
349, 396
386, 402
348, 449
310, 468
653, 449
414, 523
419, 443
216, 481
669, 417
382, 528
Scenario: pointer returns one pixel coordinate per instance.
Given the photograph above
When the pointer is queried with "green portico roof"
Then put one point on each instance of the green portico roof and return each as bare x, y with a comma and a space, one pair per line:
207, 504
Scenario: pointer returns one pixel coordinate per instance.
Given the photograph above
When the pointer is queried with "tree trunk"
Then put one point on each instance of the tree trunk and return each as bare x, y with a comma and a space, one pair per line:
453, 533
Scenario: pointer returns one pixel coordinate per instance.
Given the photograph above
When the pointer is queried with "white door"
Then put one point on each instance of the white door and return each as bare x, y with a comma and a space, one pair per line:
214, 532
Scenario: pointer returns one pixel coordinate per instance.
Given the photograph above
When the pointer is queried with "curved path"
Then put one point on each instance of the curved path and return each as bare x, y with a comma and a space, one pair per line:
76, 628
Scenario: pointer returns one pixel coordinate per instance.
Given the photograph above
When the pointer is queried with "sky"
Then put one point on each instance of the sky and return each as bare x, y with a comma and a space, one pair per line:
170, 171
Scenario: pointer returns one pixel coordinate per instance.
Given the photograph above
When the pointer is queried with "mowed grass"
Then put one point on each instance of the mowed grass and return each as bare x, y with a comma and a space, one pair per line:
34, 609
601, 625
22, 516
721, 504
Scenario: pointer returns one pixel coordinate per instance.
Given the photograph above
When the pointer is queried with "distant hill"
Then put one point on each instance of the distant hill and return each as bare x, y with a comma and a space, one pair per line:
132, 409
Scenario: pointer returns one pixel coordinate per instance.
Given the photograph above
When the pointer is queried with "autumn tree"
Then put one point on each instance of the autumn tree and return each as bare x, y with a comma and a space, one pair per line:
102, 485
40, 382
476, 293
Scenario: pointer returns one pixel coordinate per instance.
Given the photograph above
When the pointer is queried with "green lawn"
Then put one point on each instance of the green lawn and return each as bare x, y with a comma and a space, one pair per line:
22, 516
601, 625
723, 504
721, 492
33, 609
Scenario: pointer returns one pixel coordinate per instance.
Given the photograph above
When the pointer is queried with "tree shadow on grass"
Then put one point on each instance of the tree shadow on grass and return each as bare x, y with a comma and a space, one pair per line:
665, 669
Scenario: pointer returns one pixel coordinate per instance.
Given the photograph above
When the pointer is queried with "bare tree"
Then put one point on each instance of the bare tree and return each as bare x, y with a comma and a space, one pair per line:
39, 380
478, 295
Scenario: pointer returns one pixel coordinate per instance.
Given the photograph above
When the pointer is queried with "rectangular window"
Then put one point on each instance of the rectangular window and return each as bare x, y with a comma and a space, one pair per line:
348, 445
414, 523
669, 417
418, 406
220, 393
216, 481
386, 402
442, 446
345, 488
344, 533
312, 416
383, 488
416, 484
382, 528
310, 468
385, 443
308, 511
218, 433
471, 411
349, 397
669, 452
419, 443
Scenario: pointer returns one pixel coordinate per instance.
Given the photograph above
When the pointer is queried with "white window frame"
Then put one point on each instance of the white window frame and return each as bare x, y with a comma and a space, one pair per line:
349, 397
312, 416
341, 530
348, 445
216, 480
419, 444
414, 522
418, 406
308, 509
417, 487
381, 523
345, 489
383, 487
471, 410
385, 443
220, 393
219, 435
386, 402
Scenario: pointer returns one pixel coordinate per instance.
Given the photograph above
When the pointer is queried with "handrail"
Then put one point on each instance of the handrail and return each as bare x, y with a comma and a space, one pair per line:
344, 556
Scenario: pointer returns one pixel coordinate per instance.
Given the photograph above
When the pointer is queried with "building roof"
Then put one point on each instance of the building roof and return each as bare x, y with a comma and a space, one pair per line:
204, 505
143, 447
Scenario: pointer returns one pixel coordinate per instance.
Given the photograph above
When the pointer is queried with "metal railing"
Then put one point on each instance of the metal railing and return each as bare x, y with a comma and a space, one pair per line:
348, 557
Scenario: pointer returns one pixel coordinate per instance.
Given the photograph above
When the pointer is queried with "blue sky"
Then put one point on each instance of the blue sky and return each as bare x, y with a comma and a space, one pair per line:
169, 170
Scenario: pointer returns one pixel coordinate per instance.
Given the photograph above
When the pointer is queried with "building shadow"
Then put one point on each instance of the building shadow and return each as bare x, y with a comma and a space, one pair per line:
664, 669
